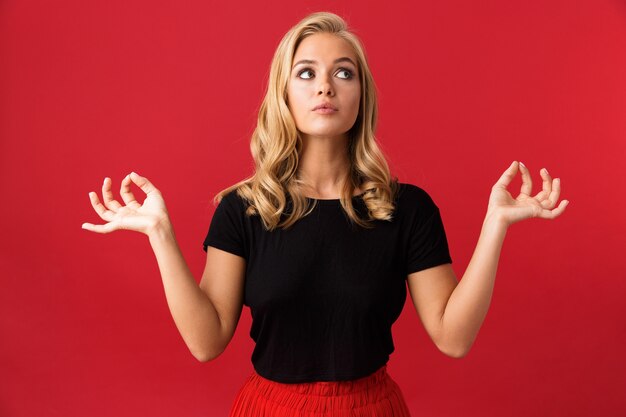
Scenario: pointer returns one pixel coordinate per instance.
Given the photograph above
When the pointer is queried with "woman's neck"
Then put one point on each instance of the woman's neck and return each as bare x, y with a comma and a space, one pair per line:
324, 166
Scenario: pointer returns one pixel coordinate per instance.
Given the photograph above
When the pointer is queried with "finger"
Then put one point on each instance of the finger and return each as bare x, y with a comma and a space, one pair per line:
554, 213
126, 193
527, 182
107, 196
143, 183
542, 196
102, 211
556, 192
99, 228
507, 176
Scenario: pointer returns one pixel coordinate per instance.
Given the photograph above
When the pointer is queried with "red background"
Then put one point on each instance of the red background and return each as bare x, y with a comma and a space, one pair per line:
95, 89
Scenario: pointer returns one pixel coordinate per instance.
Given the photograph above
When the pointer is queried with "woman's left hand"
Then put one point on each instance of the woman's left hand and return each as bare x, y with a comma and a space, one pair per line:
511, 210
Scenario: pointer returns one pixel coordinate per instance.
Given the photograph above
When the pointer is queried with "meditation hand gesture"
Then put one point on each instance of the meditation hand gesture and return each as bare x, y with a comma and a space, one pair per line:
511, 210
142, 218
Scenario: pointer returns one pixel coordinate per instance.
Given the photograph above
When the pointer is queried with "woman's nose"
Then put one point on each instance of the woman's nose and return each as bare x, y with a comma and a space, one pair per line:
325, 87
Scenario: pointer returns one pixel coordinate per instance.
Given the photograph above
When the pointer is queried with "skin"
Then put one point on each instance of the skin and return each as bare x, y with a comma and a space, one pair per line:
324, 162
207, 314
452, 312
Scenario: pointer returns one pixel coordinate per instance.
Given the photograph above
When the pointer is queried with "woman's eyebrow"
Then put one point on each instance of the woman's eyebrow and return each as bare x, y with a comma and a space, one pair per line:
310, 61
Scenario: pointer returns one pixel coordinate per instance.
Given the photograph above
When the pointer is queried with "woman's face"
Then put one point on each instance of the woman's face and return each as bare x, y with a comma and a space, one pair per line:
324, 71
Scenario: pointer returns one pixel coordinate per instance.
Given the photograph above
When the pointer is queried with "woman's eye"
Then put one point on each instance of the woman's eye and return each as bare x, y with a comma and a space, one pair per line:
347, 72
342, 70
302, 72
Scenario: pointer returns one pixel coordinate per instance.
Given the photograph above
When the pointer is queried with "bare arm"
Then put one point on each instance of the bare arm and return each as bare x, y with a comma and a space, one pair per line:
205, 315
205, 331
453, 312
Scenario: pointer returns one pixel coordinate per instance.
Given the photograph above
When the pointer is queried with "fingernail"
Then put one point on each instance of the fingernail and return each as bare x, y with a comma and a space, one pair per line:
520, 162
546, 171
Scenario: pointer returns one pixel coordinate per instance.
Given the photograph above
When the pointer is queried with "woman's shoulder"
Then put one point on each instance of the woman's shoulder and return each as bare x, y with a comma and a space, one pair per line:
411, 191
232, 200
411, 196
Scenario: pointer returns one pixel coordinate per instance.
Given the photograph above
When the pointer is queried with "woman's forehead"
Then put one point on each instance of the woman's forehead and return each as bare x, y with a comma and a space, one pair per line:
325, 47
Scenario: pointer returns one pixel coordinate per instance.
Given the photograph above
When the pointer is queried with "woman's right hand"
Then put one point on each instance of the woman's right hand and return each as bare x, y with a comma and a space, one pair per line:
143, 218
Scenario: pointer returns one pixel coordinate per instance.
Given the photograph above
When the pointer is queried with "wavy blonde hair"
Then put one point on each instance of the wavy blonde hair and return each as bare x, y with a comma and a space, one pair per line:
276, 145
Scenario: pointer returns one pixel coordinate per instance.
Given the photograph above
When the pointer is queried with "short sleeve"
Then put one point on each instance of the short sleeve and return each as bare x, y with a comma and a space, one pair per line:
227, 231
427, 241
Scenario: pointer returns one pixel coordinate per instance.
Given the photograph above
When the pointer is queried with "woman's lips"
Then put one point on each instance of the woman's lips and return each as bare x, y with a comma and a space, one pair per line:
325, 110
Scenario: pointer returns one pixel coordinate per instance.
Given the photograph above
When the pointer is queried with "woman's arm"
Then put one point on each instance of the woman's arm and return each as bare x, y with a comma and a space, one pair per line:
457, 310
195, 312
453, 312
196, 318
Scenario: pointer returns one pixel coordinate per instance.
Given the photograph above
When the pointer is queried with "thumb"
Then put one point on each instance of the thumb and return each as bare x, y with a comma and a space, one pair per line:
508, 175
143, 183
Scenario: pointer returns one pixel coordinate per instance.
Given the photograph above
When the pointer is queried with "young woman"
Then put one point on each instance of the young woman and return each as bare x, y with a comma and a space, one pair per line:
321, 243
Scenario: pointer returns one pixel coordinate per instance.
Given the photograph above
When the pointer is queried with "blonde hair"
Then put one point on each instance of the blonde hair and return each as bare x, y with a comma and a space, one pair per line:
276, 144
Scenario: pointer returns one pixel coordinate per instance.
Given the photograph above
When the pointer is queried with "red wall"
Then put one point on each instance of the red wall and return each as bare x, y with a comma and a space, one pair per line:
95, 89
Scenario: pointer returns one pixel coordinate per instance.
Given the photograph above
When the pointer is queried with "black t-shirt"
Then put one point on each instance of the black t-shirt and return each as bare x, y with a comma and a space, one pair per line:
324, 294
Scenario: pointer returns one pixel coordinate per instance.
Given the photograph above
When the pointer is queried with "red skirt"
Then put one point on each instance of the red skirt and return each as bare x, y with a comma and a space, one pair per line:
376, 395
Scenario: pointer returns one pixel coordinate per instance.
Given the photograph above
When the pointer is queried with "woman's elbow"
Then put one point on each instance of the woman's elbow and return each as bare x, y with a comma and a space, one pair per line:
205, 356
455, 352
